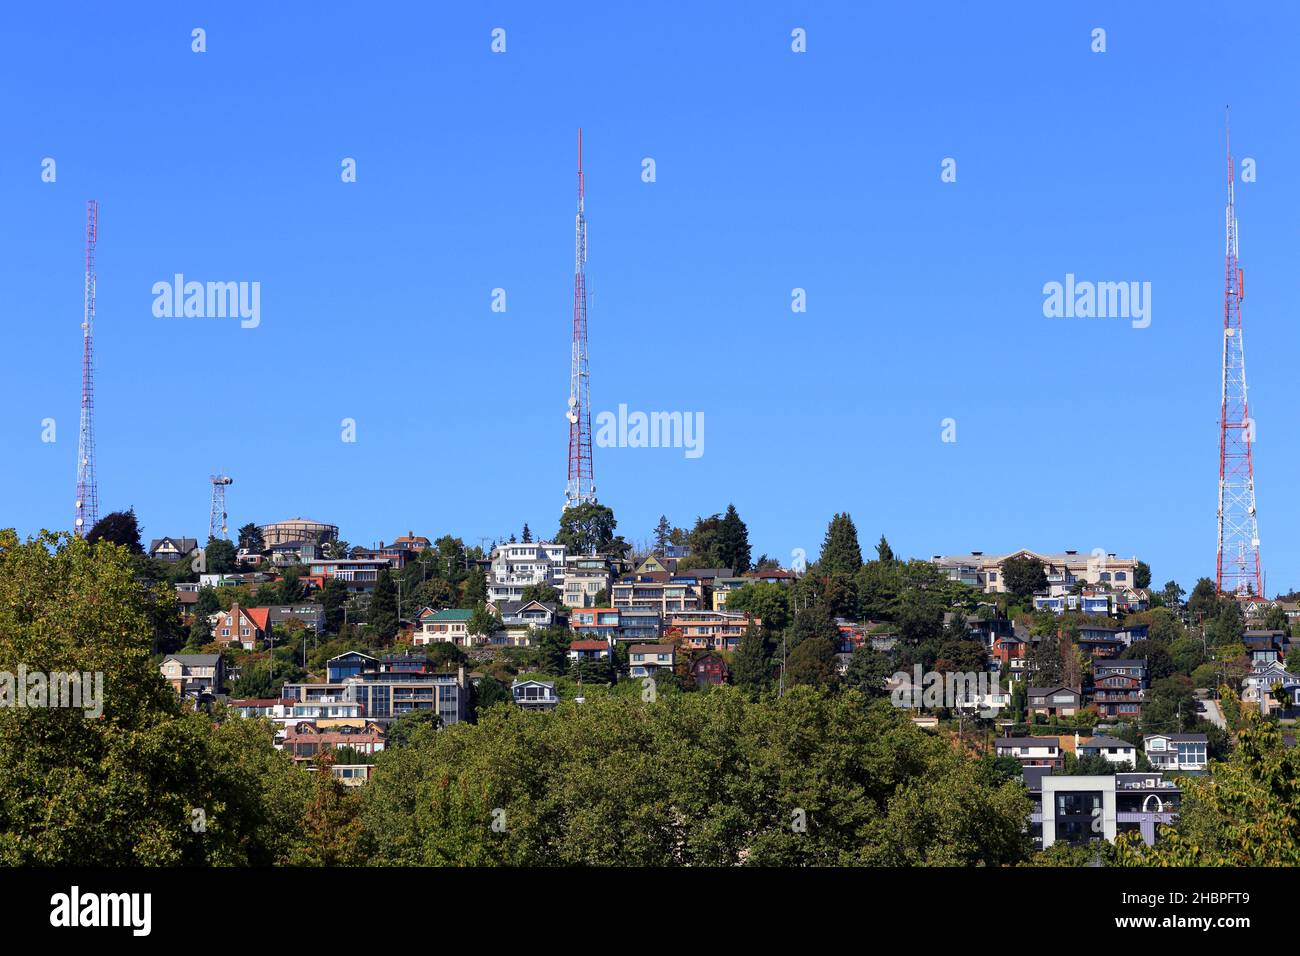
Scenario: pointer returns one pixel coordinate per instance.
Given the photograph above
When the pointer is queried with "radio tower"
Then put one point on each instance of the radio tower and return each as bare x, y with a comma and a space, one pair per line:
87, 490
581, 487
1238, 570
217, 514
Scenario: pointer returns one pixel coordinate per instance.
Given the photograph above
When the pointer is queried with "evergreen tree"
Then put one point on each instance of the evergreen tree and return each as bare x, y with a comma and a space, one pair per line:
840, 551
527, 536
733, 541
383, 607
749, 668
250, 538
333, 597
884, 553
662, 530
118, 527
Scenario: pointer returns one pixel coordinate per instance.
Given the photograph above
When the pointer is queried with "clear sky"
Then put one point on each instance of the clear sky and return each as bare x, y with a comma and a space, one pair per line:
774, 170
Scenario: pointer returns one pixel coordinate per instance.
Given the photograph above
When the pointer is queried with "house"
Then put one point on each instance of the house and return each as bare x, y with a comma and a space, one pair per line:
1119, 687
1083, 809
194, 674
724, 586
1181, 752
1257, 688
244, 626
644, 659
359, 575
172, 549
534, 694
589, 650
450, 626
773, 576
585, 576
1012, 651
710, 670
350, 664
304, 740
384, 695
712, 630
1054, 701
520, 619
519, 565
1031, 751
312, 616
1266, 647
1112, 749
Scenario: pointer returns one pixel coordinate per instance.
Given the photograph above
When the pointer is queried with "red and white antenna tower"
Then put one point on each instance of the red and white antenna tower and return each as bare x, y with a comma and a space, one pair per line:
1237, 564
581, 487
87, 490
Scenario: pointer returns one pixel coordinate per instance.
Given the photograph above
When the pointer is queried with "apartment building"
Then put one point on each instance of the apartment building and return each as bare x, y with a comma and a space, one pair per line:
711, 630
1063, 570
585, 576
658, 590
385, 695
1118, 688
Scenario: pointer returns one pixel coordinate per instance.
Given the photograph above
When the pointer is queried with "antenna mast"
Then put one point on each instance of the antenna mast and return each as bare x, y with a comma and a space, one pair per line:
87, 489
1237, 567
581, 487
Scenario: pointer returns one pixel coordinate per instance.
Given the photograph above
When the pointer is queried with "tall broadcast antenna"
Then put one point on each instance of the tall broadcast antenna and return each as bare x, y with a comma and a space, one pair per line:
87, 490
581, 487
1237, 563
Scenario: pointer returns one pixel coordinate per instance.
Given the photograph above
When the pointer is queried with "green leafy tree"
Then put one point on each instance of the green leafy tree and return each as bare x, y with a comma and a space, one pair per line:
770, 603
1023, 576
1142, 575
333, 597
812, 663
868, 671
219, 556
544, 593
589, 529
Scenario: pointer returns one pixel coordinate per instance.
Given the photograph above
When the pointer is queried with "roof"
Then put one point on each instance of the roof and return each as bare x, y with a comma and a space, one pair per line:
1119, 662
261, 616
1028, 742
182, 544
651, 649
194, 660
1104, 741
1044, 691
1185, 738
452, 614
589, 645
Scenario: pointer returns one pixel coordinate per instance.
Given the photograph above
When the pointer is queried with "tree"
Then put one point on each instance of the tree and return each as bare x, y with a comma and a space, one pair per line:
333, 828
840, 550
250, 538
527, 536
812, 663
382, 616
749, 668
589, 529
1275, 619
490, 692
1171, 595
868, 671
733, 541
404, 728
113, 782
1142, 575
484, 622
118, 527
1228, 625
884, 553
542, 592
662, 530
219, 556
333, 597
699, 780
704, 544
1022, 576
1204, 602
770, 603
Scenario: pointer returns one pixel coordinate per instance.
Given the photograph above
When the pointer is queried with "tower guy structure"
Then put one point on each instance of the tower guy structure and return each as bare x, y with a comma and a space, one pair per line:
87, 490
217, 514
1237, 564
581, 487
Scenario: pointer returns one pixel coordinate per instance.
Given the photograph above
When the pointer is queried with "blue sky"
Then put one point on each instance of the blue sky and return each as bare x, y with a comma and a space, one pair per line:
775, 170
